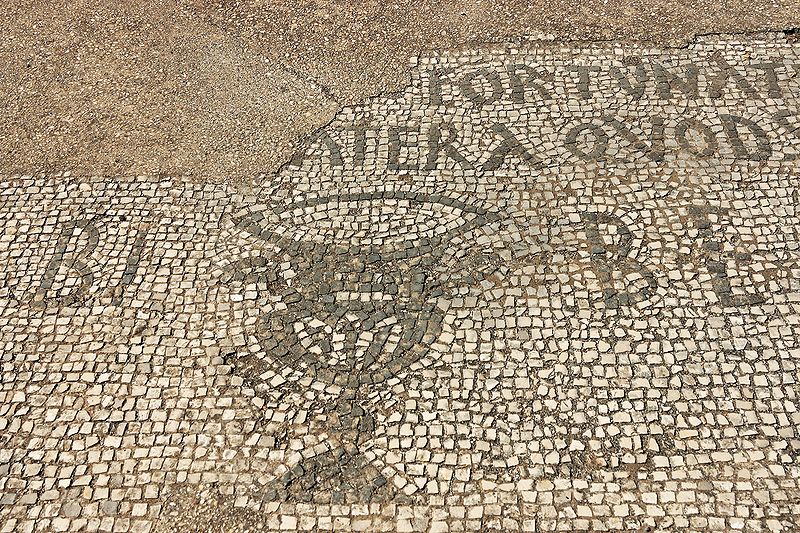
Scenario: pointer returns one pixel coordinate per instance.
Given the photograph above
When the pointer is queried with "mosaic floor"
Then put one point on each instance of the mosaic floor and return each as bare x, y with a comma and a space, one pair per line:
546, 288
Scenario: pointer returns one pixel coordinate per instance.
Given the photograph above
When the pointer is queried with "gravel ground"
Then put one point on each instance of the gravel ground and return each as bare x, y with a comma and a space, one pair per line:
225, 90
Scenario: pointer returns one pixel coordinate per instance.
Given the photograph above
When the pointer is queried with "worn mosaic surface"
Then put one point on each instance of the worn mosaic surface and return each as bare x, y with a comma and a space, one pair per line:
544, 289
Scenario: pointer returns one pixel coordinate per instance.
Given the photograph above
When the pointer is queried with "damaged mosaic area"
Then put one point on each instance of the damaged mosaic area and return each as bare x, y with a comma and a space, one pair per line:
546, 288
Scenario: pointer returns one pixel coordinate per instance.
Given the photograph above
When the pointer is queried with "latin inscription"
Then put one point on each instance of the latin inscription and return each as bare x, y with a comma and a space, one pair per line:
686, 93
